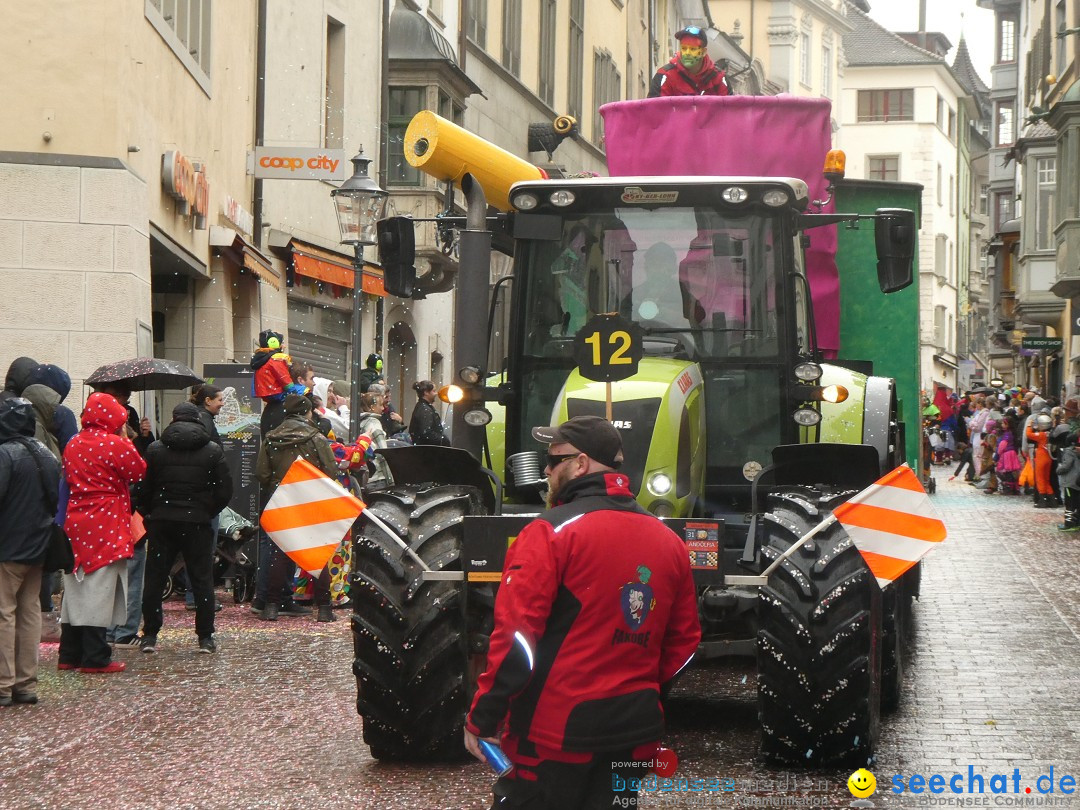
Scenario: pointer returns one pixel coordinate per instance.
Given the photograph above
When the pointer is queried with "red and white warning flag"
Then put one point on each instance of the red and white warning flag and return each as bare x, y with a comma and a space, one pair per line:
892, 523
308, 515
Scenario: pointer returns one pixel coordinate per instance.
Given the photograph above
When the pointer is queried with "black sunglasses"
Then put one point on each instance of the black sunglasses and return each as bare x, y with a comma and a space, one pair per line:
555, 461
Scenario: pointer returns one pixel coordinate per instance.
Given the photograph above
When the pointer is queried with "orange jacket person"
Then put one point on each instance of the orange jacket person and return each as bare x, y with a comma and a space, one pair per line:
1038, 434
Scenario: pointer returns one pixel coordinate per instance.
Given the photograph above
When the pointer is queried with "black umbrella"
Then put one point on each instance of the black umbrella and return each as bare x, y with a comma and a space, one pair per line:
145, 374
983, 390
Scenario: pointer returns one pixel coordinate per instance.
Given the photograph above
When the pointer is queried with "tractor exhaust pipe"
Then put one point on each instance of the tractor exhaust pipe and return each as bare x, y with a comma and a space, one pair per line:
470, 331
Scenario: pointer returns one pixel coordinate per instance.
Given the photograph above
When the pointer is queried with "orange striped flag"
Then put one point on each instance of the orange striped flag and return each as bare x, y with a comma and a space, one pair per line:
308, 515
892, 523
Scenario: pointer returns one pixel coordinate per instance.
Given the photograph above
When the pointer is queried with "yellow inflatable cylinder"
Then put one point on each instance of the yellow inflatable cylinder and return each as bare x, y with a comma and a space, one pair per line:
447, 152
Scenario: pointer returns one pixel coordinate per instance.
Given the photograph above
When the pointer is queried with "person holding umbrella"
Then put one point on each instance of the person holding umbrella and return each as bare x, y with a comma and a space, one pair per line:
119, 380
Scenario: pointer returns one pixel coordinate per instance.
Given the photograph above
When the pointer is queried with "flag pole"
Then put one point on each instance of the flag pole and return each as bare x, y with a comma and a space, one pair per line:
829, 521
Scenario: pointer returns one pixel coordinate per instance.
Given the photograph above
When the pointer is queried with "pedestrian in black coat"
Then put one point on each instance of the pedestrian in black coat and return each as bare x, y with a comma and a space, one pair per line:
187, 483
426, 426
29, 482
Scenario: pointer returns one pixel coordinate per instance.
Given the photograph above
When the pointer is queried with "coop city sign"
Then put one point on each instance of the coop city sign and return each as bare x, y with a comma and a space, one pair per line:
297, 163
185, 181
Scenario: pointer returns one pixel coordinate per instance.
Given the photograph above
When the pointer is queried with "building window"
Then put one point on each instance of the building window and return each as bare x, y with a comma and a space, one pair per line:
886, 105
1003, 208
940, 245
1006, 44
952, 125
629, 92
952, 198
1046, 181
941, 113
883, 167
826, 71
984, 200
939, 326
450, 109
476, 21
606, 85
435, 8
939, 184
547, 52
405, 102
1006, 132
185, 27
576, 57
804, 58
334, 100
511, 36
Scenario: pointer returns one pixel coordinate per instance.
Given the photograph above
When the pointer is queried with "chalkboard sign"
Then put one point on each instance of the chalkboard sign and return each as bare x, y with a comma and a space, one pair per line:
238, 424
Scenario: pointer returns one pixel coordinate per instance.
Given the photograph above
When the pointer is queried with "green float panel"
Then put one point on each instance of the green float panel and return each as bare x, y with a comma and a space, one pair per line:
875, 327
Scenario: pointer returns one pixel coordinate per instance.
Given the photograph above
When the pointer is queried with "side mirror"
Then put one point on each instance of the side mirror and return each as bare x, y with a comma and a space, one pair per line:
397, 253
894, 235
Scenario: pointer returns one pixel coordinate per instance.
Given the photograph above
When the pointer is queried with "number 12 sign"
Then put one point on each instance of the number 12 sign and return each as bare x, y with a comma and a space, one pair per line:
608, 348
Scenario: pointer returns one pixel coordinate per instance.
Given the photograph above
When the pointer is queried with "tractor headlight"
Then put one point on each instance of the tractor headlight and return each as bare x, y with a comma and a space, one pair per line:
477, 417
451, 393
469, 375
659, 484
808, 372
775, 197
525, 202
807, 417
734, 194
562, 198
834, 394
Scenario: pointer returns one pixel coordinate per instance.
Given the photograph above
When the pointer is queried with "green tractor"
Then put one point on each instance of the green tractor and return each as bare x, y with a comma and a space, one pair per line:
734, 432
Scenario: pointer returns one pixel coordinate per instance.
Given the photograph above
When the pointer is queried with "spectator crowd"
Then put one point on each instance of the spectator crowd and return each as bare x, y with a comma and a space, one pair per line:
131, 506
1013, 442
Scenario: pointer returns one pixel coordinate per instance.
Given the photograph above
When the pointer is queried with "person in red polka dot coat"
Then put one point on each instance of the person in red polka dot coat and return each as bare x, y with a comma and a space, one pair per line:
99, 465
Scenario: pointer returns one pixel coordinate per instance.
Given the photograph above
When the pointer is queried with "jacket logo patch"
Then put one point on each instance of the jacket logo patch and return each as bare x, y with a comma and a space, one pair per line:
636, 600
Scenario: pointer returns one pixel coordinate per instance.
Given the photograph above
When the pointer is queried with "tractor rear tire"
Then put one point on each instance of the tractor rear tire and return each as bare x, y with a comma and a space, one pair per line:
896, 633
819, 620
410, 637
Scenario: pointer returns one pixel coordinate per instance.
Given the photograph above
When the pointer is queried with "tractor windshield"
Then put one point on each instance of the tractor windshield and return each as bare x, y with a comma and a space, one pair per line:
703, 283
699, 283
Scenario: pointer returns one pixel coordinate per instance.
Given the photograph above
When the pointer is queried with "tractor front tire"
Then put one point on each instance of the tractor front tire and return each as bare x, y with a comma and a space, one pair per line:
410, 637
819, 620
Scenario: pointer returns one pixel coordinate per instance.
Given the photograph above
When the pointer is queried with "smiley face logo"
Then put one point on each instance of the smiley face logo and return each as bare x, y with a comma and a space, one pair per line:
862, 783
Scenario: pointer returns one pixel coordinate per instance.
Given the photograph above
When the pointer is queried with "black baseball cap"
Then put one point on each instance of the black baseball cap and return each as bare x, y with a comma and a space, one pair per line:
594, 436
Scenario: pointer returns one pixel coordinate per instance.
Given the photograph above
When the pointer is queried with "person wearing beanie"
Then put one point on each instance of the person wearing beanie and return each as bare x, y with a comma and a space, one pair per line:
296, 437
690, 72
372, 372
187, 484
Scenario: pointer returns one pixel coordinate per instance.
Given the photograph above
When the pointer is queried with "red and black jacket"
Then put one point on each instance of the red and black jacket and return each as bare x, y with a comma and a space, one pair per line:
596, 612
673, 79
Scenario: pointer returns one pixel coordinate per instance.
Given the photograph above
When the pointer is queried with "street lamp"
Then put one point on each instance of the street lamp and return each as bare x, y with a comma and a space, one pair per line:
360, 204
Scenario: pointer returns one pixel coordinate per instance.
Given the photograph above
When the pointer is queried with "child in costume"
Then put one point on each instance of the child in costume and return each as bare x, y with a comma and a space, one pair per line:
273, 379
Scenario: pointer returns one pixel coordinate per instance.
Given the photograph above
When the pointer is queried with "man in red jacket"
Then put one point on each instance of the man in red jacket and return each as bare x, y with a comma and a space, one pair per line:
690, 72
596, 614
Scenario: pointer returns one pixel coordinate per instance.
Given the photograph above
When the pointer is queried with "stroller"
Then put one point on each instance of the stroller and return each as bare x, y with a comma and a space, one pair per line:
234, 559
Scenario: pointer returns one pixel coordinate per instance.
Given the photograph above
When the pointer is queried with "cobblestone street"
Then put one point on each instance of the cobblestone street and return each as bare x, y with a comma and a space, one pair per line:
270, 721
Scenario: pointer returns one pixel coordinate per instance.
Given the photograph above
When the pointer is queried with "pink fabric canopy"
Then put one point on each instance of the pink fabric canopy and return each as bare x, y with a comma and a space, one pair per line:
743, 136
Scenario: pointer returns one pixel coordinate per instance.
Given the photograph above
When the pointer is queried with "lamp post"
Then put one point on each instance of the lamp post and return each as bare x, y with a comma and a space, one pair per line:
360, 204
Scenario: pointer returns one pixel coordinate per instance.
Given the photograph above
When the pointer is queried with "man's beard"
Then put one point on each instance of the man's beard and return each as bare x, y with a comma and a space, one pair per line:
554, 486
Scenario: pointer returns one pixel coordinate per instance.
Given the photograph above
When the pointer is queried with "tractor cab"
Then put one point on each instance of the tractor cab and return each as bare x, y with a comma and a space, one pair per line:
710, 272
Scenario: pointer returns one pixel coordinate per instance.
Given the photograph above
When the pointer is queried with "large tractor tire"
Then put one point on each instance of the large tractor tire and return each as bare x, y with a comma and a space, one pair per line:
410, 637
819, 619
896, 634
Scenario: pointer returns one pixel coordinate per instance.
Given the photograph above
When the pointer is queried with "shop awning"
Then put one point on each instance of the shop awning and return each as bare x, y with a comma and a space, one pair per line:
244, 255
331, 268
